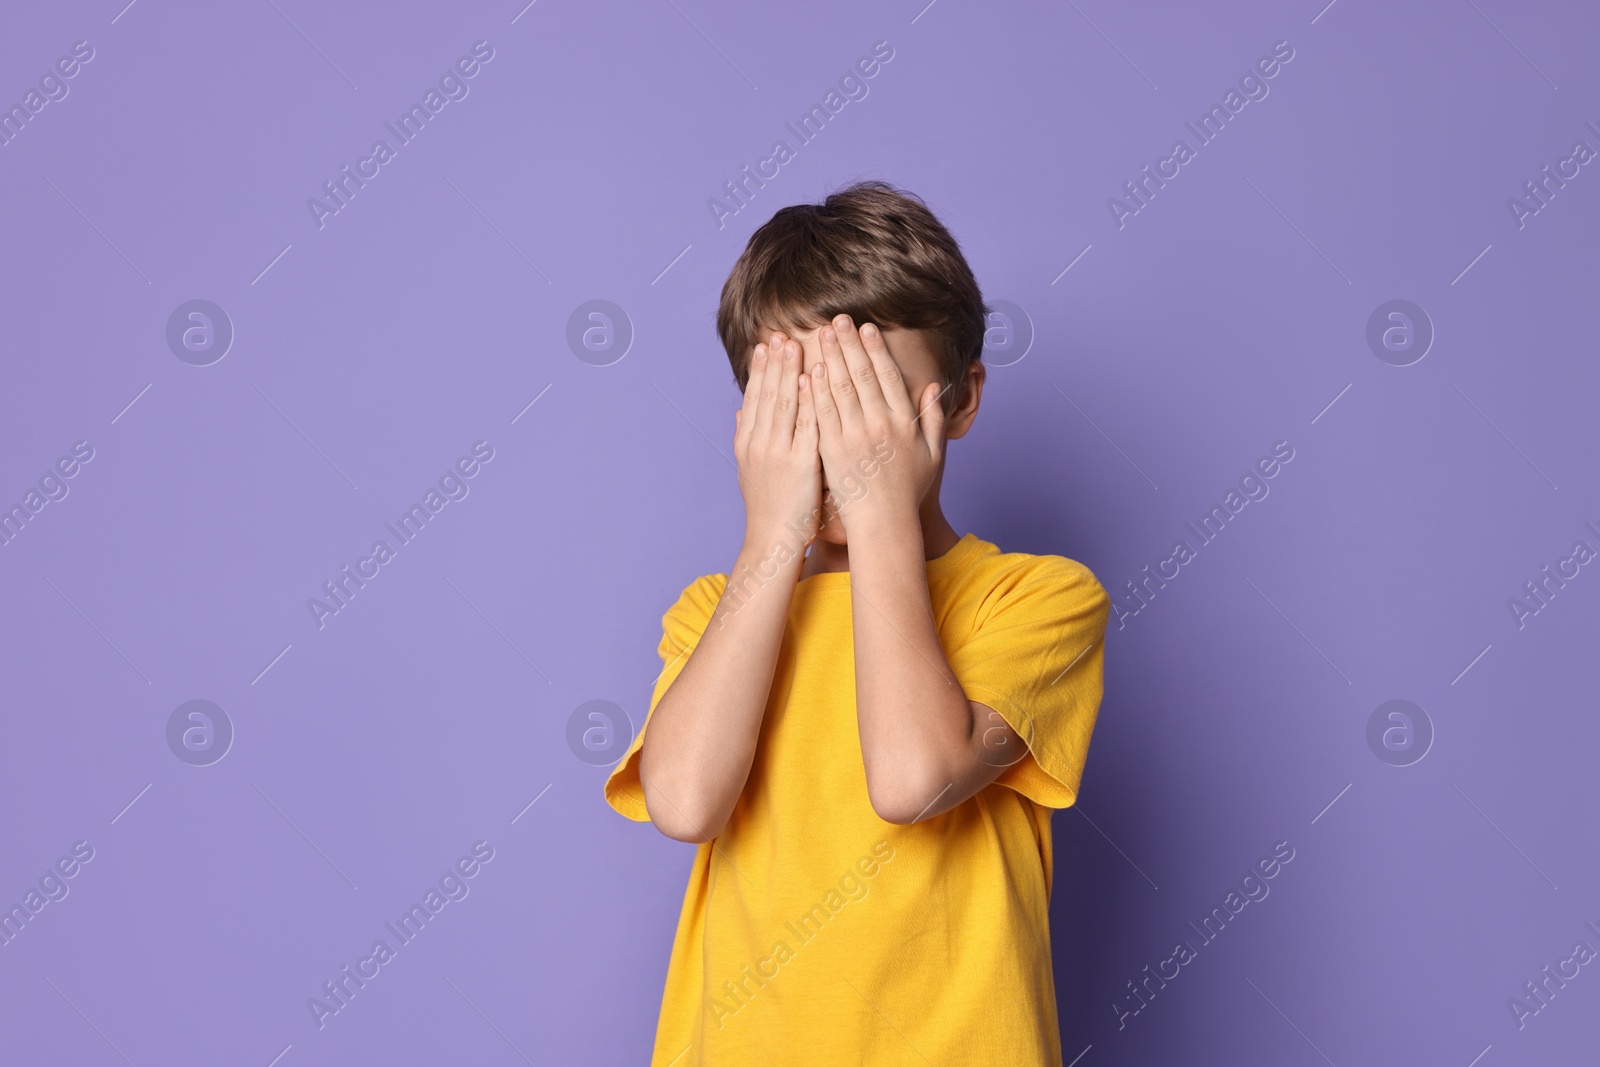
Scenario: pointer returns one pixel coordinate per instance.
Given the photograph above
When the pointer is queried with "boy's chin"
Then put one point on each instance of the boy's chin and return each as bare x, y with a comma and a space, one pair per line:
832, 531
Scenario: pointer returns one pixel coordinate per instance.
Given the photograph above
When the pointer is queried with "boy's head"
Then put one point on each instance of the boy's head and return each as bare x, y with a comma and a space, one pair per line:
868, 251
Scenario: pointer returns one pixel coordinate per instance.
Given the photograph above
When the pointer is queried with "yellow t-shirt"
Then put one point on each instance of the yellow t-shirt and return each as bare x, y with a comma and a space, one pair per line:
813, 932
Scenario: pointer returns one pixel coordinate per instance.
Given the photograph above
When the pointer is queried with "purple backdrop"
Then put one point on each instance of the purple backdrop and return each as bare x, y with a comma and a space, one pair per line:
268, 341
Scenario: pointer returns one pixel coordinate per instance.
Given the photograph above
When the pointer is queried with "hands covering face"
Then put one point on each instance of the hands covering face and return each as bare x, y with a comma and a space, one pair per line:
848, 419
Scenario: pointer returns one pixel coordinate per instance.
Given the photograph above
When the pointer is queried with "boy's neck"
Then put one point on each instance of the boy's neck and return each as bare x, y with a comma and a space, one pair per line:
938, 537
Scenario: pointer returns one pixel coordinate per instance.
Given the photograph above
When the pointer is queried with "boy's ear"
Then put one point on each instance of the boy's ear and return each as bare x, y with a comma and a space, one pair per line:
959, 421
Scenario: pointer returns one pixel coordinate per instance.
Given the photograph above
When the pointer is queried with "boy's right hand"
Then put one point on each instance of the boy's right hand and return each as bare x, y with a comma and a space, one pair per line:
775, 445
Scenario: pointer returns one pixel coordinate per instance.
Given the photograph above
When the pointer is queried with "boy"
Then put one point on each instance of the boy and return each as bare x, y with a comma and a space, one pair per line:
866, 740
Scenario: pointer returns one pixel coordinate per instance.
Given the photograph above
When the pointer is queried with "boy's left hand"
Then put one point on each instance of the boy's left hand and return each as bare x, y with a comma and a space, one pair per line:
880, 446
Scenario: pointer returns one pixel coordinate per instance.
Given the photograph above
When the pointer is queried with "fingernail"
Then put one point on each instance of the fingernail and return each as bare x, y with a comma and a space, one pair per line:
869, 330
761, 351
828, 335
817, 369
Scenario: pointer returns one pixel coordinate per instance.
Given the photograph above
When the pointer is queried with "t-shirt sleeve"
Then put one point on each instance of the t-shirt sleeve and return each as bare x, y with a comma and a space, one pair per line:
681, 628
1036, 656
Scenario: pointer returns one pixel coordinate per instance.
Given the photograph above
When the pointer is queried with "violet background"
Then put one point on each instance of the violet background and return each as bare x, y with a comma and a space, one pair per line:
427, 314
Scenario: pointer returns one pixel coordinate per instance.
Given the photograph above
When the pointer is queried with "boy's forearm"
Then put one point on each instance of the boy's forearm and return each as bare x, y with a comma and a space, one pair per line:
697, 752
915, 720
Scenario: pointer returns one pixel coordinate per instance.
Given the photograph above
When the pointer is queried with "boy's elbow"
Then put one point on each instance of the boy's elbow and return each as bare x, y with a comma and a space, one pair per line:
678, 832
902, 797
673, 820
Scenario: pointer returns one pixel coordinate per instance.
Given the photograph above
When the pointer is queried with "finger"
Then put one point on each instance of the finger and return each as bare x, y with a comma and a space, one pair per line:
892, 383
783, 413
845, 399
752, 393
824, 403
930, 418
862, 370
805, 414
771, 379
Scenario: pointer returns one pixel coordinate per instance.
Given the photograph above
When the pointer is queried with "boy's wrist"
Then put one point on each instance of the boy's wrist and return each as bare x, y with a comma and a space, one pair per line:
872, 531
769, 549
768, 535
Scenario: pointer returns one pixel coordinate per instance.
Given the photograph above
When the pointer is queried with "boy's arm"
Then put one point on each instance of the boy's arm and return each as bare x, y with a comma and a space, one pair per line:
701, 741
925, 746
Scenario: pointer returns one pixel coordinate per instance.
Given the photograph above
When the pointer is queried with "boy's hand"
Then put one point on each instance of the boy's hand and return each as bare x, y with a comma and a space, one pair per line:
775, 444
870, 428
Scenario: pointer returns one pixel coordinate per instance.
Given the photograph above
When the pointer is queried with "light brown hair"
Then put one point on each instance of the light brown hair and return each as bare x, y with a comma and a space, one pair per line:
870, 251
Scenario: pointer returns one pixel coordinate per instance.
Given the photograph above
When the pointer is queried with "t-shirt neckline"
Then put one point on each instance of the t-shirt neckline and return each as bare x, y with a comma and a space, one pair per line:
954, 559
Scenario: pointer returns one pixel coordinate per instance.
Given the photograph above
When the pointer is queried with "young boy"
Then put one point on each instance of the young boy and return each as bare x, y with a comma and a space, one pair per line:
866, 740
